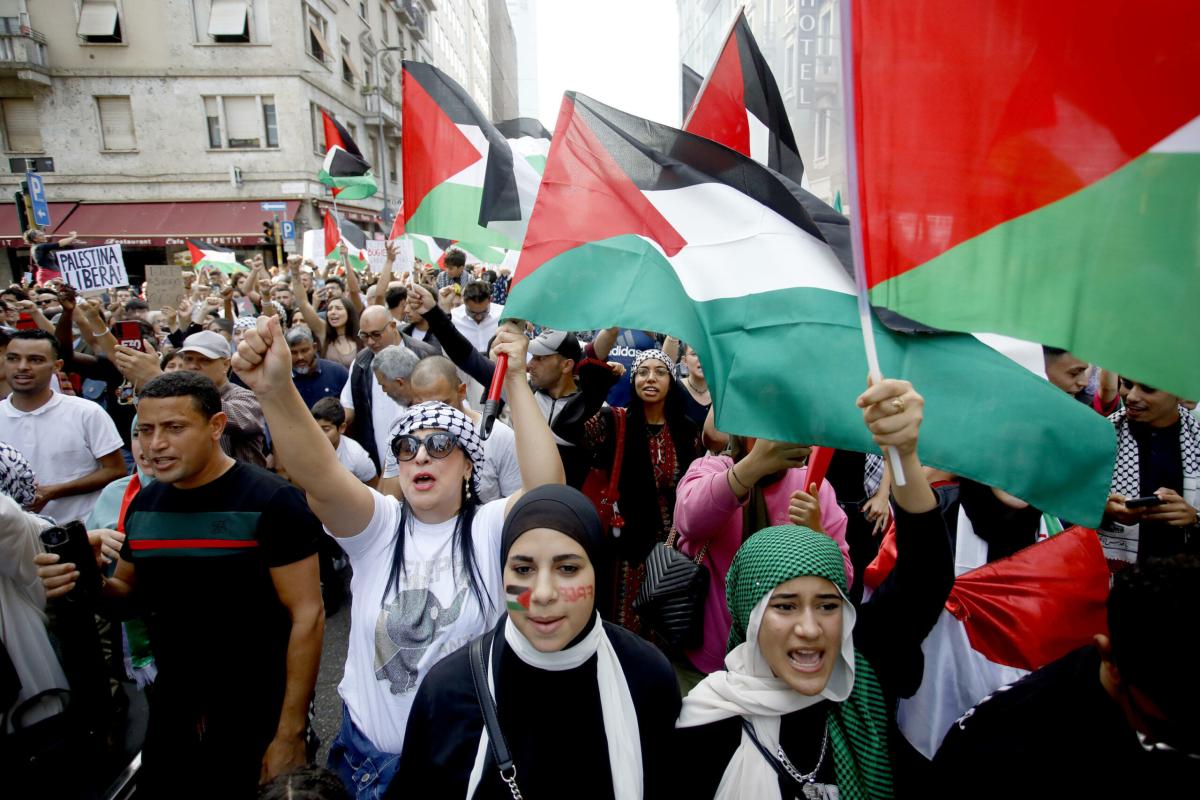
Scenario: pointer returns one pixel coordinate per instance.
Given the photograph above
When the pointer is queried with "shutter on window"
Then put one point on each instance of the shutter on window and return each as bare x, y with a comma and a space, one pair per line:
116, 123
228, 18
242, 122
98, 18
21, 125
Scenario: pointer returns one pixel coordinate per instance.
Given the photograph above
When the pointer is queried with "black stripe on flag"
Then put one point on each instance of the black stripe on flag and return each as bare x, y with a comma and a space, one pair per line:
522, 126
212, 248
690, 83
763, 99
341, 163
347, 142
353, 234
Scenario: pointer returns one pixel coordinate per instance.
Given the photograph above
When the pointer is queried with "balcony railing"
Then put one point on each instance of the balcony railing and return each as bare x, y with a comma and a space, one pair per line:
416, 12
21, 47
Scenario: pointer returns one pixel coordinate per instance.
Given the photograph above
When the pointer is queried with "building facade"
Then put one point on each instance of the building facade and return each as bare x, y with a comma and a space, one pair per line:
152, 121
523, 14
801, 41
502, 49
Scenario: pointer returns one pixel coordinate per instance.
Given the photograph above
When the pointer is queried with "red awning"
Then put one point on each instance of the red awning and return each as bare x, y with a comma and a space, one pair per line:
352, 213
230, 223
10, 229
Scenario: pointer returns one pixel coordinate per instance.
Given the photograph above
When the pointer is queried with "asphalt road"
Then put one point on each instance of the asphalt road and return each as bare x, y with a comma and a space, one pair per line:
333, 661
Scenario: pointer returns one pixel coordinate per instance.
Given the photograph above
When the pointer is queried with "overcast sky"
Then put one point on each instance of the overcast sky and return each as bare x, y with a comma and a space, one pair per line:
624, 53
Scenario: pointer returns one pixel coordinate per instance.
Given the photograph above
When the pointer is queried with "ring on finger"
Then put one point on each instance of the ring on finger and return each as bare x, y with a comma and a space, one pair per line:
898, 404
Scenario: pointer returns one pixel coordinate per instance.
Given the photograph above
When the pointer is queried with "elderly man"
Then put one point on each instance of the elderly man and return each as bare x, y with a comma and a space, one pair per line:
315, 377
244, 436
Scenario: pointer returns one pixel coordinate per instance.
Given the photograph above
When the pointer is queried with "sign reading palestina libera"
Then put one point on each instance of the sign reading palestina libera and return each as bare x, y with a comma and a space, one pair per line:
93, 269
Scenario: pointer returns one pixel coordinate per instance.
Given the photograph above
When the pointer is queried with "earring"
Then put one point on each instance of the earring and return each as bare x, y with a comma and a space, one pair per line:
467, 487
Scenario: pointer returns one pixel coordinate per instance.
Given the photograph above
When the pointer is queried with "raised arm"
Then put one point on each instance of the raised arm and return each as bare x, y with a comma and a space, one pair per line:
456, 346
352, 288
264, 363
311, 318
385, 276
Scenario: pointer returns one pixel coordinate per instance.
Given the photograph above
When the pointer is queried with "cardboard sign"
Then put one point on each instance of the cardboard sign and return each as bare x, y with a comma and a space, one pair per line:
376, 255
164, 286
404, 256
91, 270
313, 247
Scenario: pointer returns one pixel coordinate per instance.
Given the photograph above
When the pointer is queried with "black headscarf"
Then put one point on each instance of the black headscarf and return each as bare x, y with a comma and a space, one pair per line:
558, 508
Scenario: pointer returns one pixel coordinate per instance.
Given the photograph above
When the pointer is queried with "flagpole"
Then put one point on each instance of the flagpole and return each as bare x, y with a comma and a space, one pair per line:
865, 317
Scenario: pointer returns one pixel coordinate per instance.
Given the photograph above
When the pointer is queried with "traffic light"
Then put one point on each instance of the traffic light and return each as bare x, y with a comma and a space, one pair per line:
268, 232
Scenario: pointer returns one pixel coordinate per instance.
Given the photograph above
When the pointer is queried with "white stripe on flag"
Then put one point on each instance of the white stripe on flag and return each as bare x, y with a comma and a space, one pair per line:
1184, 140
760, 139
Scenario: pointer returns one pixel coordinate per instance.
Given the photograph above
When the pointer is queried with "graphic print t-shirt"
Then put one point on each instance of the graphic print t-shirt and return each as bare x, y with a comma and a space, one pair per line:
393, 646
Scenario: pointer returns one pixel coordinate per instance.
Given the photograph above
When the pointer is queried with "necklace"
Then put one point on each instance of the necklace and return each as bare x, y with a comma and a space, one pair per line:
795, 773
692, 386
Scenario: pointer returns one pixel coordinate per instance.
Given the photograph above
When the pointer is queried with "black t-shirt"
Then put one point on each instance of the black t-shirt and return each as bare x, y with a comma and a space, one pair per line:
1056, 733
45, 255
1160, 465
203, 584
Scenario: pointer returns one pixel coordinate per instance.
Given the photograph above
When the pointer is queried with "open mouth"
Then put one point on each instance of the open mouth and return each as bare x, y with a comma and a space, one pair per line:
423, 481
162, 463
546, 626
805, 660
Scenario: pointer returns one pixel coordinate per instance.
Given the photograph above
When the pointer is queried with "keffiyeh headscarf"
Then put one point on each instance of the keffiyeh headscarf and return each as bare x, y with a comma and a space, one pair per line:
645, 355
439, 416
857, 721
16, 476
243, 324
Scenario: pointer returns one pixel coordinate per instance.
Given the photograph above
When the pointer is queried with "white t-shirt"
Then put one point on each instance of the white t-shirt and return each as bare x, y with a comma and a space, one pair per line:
500, 475
384, 412
355, 458
477, 333
393, 645
62, 441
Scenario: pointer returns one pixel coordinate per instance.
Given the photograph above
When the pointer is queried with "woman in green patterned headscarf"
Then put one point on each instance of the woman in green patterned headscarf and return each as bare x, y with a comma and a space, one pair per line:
801, 709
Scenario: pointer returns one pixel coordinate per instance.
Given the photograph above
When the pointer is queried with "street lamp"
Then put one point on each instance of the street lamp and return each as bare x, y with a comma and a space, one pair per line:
387, 222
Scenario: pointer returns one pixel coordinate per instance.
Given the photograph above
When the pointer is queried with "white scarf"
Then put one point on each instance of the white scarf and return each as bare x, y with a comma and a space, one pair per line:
616, 705
747, 688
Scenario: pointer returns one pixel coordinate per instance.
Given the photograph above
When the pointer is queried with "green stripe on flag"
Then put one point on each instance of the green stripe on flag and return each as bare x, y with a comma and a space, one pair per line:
986, 418
352, 187
1111, 273
451, 211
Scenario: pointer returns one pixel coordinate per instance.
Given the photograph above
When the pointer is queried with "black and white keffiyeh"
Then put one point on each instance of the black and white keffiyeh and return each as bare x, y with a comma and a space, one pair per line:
1127, 472
16, 476
648, 354
439, 416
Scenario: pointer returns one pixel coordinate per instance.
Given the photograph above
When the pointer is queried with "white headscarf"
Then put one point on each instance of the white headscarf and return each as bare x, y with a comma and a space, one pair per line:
616, 704
747, 688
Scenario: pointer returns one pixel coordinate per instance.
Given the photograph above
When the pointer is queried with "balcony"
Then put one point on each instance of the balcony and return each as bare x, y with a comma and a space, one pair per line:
415, 12
375, 105
22, 53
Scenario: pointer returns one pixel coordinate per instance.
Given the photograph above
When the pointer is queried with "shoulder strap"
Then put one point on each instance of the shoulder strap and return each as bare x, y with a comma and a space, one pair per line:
767, 754
496, 740
614, 475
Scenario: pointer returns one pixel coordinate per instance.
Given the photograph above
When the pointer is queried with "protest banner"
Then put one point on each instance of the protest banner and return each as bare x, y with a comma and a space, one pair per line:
91, 270
313, 247
376, 254
164, 285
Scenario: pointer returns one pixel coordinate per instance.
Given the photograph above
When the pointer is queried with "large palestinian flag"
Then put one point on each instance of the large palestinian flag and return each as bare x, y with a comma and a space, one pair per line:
1031, 169
338, 232
345, 170
645, 226
739, 105
205, 255
463, 180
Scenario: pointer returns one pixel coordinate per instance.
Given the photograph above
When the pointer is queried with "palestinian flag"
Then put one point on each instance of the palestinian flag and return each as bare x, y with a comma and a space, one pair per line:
518, 597
690, 82
529, 140
429, 249
1013, 178
345, 170
1003, 621
463, 180
340, 232
648, 227
205, 255
739, 105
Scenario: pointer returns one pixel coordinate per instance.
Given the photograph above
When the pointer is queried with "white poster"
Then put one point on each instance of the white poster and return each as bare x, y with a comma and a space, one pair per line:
314, 247
376, 254
93, 269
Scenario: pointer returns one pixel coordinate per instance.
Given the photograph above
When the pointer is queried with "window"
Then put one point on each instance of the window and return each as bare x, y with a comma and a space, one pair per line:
789, 68
22, 134
372, 148
229, 21
318, 129
99, 22
241, 122
316, 28
362, 10
821, 134
349, 73
789, 7
116, 123
383, 24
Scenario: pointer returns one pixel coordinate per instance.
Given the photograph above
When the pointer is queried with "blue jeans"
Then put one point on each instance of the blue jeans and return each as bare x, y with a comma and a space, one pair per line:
365, 771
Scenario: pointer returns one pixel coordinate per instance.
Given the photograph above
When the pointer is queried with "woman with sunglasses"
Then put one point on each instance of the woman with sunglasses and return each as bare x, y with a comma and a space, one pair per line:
426, 574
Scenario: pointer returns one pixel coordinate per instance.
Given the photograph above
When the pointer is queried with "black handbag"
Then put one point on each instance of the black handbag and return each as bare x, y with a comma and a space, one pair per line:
671, 599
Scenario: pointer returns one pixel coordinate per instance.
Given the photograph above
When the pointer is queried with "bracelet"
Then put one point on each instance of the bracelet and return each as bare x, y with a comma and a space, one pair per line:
736, 479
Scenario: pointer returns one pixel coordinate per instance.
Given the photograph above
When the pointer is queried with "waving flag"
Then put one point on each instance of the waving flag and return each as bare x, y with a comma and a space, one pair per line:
528, 138
1014, 177
345, 170
211, 255
463, 179
340, 232
645, 226
739, 105
690, 82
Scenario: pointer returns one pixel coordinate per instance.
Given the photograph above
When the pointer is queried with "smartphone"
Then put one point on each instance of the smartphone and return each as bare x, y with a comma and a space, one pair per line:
1144, 502
25, 322
129, 333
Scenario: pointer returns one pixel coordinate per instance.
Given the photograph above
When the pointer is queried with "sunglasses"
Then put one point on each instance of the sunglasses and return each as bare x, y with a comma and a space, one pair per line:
1128, 385
438, 444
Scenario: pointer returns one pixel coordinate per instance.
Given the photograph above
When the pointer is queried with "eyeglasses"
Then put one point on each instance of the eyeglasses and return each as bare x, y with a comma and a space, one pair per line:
658, 372
370, 336
438, 444
1128, 385
47, 302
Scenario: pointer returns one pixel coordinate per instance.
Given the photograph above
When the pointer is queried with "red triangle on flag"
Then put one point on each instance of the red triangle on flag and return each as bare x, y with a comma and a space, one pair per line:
432, 149
585, 197
397, 224
719, 112
333, 234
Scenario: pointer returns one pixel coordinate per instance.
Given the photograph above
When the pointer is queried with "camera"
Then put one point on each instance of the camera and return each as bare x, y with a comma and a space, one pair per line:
70, 543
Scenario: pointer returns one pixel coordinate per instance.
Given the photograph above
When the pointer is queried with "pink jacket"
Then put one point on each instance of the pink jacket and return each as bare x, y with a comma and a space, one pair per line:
706, 510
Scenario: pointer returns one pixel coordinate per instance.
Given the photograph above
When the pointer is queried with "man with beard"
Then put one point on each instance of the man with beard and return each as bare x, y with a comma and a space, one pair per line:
315, 377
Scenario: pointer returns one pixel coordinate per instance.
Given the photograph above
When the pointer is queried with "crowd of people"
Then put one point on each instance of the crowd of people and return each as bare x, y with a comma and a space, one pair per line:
284, 427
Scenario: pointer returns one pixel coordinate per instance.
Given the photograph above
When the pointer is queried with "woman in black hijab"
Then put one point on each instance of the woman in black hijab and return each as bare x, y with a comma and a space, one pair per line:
585, 707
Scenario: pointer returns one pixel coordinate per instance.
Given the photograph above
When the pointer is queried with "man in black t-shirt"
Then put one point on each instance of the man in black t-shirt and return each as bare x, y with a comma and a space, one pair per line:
220, 559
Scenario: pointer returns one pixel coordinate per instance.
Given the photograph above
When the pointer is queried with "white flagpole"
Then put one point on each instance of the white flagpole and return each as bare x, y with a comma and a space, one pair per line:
856, 232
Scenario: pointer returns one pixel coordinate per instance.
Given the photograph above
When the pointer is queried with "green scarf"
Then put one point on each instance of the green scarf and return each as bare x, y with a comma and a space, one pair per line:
858, 727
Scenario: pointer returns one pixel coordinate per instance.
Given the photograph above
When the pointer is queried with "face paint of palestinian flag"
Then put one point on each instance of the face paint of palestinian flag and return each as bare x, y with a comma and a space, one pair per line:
647, 227
462, 178
340, 231
518, 597
212, 256
739, 105
1013, 178
345, 170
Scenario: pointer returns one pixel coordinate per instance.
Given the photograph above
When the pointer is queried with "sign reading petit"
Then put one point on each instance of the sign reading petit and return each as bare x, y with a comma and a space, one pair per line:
93, 268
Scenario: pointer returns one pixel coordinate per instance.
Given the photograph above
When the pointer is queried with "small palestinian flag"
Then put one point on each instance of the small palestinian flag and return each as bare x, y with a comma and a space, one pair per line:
429, 249
739, 105
463, 180
647, 227
1012, 178
205, 255
345, 170
528, 138
518, 597
342, 231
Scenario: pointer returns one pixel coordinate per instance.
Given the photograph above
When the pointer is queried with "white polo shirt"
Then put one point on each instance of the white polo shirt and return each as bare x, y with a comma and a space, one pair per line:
63, 440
